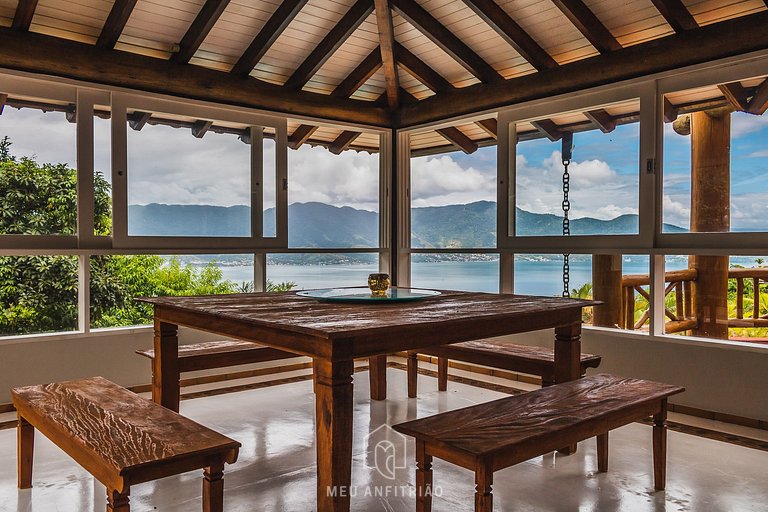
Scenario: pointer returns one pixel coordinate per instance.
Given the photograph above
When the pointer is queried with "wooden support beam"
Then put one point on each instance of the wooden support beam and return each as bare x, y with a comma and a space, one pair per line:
458, 139
200, 128
38, 53
138, 119
421, 71
589, 25
387, 48
498, 19
113, 27
3, 99
759, 102
676, 14
301, 135
736, 95
446, 40
491, 126
602, 120
330, 43
343, 141
670, 111
204, 21
711, 42
267, 36
548, 128
25, 11
365, 70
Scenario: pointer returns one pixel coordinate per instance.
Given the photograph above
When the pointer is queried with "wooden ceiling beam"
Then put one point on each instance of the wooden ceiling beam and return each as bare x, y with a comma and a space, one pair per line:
446, 40
458, 139
328, 46
113, 27
421, 71
355, 80
759, 102
589, 25
670, 111
3, 99
277, 23
736, 95
387, 49
490, 126
548, 128
676, 14
204, 21
22, 18
200, 128
138, 120
728, 38
497, 18
39, 53
343, 141
602, 119
301, 135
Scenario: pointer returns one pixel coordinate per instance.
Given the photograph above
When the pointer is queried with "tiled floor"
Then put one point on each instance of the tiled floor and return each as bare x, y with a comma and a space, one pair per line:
276, 470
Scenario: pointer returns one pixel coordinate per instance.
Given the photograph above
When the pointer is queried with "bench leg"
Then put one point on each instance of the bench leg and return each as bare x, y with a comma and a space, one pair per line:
118, 502
377, 372
213, 488
660, 447
423, 478
413, 373
165, 371
25, 437
483, 491
442, 374
602, 453
568, 361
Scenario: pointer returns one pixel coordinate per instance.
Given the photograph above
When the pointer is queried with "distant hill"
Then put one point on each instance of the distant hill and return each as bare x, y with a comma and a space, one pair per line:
323, 225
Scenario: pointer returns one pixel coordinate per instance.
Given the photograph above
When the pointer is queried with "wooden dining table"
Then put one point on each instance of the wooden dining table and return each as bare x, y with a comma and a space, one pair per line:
334, 334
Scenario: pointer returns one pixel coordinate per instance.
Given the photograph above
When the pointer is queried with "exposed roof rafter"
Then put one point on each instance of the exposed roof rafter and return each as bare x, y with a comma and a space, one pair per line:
267, 36
589, 25
138, 120
512, 33
335, 38
343, 141
446, 40
759, 102
736, 95
490, 126
548, 128
113, 27
458, 139
25, 11
421, 71
387, 50
200, 128
3, 99
204, 21
365, 70
676, 14
301, 135
670, 111
602, 120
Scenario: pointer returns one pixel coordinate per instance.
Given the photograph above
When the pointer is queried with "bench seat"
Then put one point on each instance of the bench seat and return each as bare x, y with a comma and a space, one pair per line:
496, 354
498, 434
120, 438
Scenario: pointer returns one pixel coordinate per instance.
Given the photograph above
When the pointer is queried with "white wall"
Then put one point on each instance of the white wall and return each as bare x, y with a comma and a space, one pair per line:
732, 380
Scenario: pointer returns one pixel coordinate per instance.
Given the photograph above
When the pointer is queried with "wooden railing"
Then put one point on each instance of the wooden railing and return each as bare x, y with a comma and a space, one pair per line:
680, 317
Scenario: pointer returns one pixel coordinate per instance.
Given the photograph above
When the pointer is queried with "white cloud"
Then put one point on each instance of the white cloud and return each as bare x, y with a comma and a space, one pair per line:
763, 153
744, 124
442, 180
676, 211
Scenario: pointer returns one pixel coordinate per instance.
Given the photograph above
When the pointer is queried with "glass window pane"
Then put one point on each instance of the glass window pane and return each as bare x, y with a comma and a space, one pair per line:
465, 272
313, 270
37, 294
102, 168
38, 176
181, 185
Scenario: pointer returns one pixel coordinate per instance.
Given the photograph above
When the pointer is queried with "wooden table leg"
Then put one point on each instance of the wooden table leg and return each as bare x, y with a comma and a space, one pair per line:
483, 488
333, 434
660, 447
213, 488
423, 478
413, 374
442, 374
165, 381
568, 360
602, 453
25, 437
117, 501
377, 370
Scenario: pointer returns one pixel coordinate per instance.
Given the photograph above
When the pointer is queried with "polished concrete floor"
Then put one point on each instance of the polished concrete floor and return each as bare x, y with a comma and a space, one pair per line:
276, 469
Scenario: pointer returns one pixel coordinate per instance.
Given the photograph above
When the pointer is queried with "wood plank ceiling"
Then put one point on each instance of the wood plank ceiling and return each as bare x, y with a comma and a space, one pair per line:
383, 62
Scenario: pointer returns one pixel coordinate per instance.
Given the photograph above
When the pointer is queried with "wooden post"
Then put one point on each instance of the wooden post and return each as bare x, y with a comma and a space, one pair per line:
606, 287
710, 213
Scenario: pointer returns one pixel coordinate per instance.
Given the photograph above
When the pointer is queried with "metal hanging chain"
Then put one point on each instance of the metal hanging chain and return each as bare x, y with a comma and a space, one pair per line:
567, 148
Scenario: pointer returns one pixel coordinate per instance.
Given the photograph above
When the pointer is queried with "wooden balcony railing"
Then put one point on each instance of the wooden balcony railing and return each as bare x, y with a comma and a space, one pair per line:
680, 316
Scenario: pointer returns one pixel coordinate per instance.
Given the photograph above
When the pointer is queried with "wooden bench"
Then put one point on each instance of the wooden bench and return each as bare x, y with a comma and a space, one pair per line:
496, 354
219, 354
120, 438
495, 435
